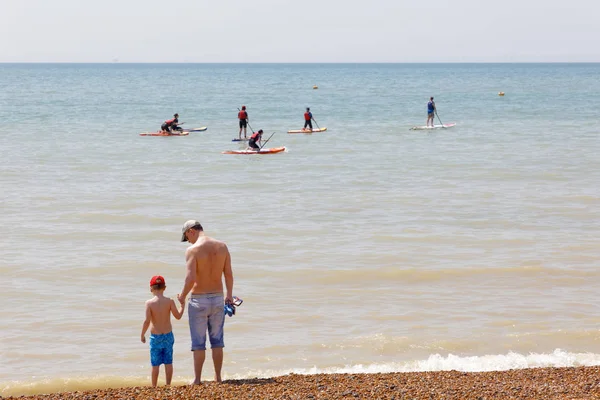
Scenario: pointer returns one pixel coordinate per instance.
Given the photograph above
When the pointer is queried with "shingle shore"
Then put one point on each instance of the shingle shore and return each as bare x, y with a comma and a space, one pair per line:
534, 383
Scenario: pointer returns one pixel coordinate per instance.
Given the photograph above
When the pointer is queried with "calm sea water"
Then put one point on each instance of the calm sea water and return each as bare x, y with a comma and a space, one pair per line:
365, 248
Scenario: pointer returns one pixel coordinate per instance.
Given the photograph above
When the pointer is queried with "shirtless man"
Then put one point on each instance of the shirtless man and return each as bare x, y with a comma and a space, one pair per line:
207, 261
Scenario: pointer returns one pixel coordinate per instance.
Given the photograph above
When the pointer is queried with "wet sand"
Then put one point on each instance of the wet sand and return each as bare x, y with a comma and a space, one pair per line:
535, 383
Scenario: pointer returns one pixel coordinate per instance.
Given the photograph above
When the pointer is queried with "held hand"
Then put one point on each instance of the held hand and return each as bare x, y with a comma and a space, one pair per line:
143, 338
181, 299
228, 299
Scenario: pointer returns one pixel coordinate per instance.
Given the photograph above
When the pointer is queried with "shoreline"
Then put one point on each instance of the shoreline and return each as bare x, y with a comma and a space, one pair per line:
530, 383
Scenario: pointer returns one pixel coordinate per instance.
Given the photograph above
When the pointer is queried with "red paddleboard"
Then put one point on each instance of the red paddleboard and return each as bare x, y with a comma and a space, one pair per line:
184, 133
262, 151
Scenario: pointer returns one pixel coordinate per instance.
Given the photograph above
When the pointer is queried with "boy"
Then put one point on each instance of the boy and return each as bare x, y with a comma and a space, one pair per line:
158, 312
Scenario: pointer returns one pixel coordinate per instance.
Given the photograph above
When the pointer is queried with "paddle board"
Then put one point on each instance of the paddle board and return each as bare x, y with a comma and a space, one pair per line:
307, 130
262, 151
423, 128
202, 129
184, 133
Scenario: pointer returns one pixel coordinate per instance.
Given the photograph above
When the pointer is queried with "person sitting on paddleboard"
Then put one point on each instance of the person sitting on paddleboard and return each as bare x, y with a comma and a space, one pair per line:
430, 111
256, 137
171, 124
308, 119
243, 117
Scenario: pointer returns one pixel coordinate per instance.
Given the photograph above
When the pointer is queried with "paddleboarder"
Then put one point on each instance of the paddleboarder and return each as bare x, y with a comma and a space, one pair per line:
243, 117
171, 124
430, 112
256, 137
308, 117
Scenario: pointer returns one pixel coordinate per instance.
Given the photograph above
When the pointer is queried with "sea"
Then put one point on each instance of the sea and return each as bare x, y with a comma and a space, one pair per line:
366, 248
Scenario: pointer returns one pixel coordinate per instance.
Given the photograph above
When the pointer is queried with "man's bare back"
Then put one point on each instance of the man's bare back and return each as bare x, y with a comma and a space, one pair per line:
211, 258
207, 263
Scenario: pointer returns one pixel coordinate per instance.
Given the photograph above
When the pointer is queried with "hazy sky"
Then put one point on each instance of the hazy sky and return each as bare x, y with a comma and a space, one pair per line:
299, 31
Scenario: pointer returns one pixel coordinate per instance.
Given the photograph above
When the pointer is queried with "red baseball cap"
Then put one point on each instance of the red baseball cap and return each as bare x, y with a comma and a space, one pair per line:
157, 280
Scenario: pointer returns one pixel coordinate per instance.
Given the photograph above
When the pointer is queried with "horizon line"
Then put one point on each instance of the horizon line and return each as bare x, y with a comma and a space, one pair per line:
299, 63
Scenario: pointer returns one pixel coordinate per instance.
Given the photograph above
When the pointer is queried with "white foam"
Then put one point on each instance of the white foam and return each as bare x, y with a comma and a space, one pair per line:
435, 362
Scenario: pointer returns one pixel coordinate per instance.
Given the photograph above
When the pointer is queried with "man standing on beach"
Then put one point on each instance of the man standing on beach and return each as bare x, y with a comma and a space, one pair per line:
207, 261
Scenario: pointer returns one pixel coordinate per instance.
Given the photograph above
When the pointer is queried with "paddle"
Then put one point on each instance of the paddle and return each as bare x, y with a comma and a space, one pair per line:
263, 145
438, 117
316, 123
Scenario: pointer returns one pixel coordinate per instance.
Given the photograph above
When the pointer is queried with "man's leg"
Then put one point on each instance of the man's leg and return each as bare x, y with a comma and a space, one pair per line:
199, 356
217, 356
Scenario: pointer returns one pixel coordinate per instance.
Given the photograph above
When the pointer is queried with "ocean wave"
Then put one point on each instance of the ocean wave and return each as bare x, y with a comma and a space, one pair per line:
435, 362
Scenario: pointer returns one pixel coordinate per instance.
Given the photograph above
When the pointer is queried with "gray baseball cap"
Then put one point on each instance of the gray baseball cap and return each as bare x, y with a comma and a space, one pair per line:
192, 223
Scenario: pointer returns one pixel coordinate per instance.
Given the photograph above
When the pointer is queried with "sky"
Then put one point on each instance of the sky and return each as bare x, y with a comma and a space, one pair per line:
299, 31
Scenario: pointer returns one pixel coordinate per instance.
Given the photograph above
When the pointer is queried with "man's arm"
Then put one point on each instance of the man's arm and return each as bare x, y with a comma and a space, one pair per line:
190, 274
177, 313
146, 323
228, 273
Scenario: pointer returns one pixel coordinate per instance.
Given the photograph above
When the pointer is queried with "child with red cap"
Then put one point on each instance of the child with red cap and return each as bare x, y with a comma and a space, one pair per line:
158, 312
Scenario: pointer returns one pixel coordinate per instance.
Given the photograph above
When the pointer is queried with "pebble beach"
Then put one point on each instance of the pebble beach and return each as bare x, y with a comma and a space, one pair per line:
534, 383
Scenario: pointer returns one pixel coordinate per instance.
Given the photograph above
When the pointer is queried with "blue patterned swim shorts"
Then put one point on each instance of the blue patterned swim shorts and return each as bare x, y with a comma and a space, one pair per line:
161, 349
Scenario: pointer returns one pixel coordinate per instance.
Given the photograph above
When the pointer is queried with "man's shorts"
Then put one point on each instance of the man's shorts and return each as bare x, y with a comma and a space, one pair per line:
430, 113
206, 313
161, 349
243, 123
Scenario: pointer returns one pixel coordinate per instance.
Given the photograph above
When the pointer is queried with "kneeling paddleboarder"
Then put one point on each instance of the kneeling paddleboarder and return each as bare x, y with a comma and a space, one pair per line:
256, 137
171, 124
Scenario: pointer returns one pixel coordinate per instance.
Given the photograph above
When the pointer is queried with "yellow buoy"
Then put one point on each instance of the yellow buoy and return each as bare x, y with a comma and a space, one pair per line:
500, 93
315, 87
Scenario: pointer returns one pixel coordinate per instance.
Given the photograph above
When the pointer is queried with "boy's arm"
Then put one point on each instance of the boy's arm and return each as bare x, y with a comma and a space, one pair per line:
146, 323
177, 313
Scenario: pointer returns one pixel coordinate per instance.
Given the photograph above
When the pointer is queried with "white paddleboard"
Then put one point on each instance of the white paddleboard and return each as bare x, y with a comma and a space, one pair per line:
423, 127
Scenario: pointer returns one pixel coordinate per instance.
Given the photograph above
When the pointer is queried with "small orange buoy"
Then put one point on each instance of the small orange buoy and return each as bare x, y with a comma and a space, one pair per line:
315, 87
500, 93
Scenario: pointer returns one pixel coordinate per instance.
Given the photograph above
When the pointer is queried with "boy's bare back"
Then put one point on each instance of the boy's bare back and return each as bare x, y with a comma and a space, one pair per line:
158, 310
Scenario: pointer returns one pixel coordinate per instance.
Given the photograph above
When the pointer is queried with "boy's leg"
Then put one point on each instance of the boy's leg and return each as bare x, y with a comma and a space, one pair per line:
168, 373
217, 356
155, 371
199, 356
168, 357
